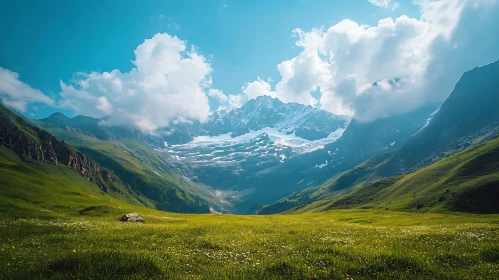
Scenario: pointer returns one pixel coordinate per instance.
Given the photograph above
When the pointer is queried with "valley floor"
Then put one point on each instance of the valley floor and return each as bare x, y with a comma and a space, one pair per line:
358, 244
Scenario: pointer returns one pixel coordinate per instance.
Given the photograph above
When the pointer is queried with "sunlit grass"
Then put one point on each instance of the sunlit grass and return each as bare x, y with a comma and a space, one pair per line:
338, 244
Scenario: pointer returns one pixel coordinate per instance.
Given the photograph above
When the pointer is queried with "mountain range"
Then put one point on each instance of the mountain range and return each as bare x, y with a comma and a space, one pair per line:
223, 153
270, 157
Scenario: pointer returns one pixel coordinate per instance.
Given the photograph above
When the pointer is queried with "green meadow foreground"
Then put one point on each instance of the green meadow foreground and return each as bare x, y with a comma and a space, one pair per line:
341, 244
55, 224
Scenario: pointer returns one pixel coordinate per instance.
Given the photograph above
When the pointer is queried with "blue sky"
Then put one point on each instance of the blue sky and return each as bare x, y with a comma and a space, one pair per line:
322, 53
48, 41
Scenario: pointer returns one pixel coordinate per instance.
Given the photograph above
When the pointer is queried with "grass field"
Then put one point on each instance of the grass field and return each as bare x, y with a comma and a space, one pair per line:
54, 224
334, 245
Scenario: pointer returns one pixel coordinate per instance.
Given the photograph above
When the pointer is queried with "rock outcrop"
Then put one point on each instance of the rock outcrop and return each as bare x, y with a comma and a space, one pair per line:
132, 217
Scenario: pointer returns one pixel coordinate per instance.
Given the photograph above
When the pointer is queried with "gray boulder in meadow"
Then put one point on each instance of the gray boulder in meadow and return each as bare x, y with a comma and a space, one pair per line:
132, 217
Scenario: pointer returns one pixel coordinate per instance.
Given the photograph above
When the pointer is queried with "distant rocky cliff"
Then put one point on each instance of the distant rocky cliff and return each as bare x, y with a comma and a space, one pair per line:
17, 134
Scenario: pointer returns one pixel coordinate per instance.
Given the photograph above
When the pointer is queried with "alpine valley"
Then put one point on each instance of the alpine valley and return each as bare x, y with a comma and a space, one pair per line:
218, 158
268, 156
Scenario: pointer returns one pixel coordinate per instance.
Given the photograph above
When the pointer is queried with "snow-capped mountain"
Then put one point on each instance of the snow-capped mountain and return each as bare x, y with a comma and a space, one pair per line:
305, 122
262, 134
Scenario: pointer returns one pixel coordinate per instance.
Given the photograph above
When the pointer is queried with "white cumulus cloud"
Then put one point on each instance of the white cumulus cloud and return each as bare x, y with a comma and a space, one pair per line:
395, 66
257, 88
218, 95
387, 4
227, 102
18, 95
168, 83
249, 91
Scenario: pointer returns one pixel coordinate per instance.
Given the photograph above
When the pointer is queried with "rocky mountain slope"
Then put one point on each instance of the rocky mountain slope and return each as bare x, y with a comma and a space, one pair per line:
470, 114
31, 142
359, 142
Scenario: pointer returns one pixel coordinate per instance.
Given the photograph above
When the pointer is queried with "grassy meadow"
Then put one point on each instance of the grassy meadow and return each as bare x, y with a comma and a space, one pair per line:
56, 225
358, 244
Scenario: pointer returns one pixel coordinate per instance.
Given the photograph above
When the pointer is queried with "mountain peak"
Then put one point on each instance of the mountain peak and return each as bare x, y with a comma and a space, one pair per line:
57, 118
57, 115
86, 125
265, 97
264, 101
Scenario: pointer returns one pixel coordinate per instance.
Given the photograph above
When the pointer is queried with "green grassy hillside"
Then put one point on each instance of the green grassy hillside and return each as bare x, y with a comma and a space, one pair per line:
141, 169
467, 182
34, 146
35, 189
130, 168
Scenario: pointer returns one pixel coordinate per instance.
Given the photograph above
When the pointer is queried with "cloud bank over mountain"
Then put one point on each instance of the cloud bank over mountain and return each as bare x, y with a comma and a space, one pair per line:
396, 66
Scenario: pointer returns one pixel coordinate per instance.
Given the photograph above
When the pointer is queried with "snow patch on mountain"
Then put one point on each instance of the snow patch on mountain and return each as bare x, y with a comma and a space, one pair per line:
322, 165
279, 138
427, 121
